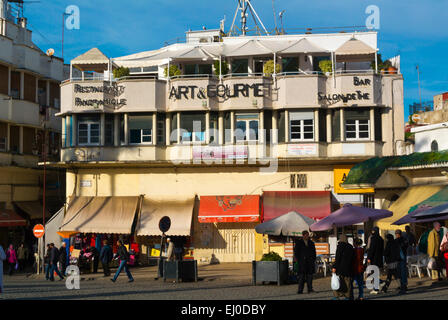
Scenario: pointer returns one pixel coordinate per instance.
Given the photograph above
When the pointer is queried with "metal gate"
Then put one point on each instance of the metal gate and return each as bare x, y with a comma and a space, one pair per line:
234, 242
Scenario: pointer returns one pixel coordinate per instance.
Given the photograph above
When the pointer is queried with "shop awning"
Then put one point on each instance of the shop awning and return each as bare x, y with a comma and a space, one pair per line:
33, 208
313, 204
302, 46
9, 218
92, 60
435, 200
100, 215
412, 196
178, 209
229, 209
355, 50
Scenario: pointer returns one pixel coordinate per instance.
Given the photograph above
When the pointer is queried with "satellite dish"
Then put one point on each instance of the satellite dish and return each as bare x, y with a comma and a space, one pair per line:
50, 52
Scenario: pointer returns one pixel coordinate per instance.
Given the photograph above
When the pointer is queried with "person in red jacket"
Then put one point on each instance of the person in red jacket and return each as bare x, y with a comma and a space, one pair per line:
358, 268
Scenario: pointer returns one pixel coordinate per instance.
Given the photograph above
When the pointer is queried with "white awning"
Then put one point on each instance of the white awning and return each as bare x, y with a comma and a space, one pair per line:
249, 48
179, 209
302, 46
355, 50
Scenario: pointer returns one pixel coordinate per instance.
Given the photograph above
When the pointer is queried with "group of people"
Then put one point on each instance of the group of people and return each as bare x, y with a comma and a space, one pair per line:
16, 259
350, 264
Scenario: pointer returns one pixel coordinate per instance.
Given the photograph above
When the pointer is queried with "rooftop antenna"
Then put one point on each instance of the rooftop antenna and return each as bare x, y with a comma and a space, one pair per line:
244, 6
419, 88
275, 17
282, 31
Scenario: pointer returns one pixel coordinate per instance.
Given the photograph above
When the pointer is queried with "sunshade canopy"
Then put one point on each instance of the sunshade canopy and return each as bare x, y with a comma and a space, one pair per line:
100, 215
33, 208
229, 209
289, 224
249, 48
9, 218
302, 45
92, 60
349, 215
441, 210
313, 204
409, 198
409, 218
179, 209
355, 50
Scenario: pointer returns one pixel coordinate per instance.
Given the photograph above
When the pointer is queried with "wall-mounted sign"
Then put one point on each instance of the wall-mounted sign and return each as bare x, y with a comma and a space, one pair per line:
220, 152
340, 174
114, 90
302, 149
336, 97
361, 82
86, 183
220, 91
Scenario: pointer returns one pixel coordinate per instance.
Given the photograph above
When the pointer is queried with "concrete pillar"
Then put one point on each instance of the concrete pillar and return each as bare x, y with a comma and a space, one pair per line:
372, 124
342, 118
21, 139
261, 137
178, 127
287, 126
154, 129
116, 129
316, 125
74, 130
329, 127
63, 133
207, 127
22, 85
126, 129
167, 128
102, 129
274, 136
232, 126
221, 128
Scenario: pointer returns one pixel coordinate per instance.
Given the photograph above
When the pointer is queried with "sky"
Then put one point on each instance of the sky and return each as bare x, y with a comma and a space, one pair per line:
415, 29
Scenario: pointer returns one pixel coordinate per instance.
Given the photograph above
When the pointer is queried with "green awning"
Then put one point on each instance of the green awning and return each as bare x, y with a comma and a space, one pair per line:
436, 199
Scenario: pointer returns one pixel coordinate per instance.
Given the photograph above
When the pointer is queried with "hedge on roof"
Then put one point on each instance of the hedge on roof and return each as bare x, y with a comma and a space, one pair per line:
369, 171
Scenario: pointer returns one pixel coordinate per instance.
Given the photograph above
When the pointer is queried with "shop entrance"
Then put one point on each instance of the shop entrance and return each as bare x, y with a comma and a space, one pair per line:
235, 241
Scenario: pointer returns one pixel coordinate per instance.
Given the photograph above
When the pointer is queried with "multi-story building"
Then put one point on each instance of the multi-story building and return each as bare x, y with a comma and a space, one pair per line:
240, 130
29, 100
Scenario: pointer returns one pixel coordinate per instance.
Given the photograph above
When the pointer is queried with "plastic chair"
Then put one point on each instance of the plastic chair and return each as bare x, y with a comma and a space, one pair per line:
418, 262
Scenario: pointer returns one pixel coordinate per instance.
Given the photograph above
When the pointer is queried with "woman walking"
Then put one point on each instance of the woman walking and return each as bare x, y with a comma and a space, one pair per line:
2, 258
11, 256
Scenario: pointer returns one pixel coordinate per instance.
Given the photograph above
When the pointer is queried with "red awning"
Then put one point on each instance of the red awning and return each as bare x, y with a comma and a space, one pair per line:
229, 209
9, 218
313, 204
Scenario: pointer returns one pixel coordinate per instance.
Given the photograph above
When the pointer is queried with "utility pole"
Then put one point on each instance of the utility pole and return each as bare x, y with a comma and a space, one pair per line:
419, 88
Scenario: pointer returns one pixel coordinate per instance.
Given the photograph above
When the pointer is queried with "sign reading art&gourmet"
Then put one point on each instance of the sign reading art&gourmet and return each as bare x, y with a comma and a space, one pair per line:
220, 91
114, 90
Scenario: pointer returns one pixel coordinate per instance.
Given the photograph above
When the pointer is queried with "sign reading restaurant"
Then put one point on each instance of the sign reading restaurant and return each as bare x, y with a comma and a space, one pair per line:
220, 91
114, 90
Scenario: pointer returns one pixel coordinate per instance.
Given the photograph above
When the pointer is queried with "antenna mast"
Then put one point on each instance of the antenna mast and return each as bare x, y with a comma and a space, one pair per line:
243, 6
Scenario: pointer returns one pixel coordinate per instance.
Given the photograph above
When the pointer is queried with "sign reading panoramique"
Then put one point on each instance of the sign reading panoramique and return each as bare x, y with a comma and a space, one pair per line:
113, 90
220, 91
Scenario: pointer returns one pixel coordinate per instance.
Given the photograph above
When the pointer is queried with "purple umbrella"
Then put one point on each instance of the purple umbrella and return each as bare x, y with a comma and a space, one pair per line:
409, 218
349, 215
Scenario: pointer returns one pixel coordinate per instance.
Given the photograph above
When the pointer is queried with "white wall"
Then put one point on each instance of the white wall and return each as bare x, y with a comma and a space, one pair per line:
424, 138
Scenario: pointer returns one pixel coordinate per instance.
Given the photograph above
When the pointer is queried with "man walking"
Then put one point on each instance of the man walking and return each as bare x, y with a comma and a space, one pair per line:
402, 265
434, 250
375, 252
123, 256
305, 254
54, 258
22, 256
106, 256
410, 238
343, 267
63, 257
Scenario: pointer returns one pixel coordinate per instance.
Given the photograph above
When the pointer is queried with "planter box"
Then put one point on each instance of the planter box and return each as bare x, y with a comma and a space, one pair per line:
185, 270
270, 271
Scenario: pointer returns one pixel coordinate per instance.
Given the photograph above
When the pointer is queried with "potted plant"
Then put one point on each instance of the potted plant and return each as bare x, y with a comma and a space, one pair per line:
271, 268
326, 66
224, 67
174, 71
268, 68
121, 72
185, 270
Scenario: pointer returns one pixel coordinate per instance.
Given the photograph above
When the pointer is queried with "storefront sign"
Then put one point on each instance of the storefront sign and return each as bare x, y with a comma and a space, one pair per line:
361, 82
336, 97
220, 152
220, 91
302, 149
340, 175
86, 183
114, 90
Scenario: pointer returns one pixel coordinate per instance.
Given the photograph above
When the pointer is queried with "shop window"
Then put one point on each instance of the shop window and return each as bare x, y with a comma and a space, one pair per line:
301, 126
290, 65
173, 135
246, 127
89, 130
140, 129
240, 66
227, 127
357, 124
192, 127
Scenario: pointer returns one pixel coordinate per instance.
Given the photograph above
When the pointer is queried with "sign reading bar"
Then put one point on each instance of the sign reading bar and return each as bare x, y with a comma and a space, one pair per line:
220, 91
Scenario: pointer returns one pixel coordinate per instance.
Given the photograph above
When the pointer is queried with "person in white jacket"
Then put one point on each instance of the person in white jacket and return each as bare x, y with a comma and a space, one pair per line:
2, 258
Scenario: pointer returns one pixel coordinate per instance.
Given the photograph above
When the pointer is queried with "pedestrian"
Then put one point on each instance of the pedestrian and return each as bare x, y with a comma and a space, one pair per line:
106, 256
123, 256
434, 250
170, 250
305, 254
358, 268
343, 267
410, 238
54, 259
2, 258
95, 257
179, 249
392, 259
22, 256
375, 252
63, 257
11, 256
402, 265
47, 262
444, 251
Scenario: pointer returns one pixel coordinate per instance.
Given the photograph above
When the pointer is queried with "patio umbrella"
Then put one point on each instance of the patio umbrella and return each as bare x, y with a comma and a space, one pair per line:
410, 217
435, 212
288, 224
349, 215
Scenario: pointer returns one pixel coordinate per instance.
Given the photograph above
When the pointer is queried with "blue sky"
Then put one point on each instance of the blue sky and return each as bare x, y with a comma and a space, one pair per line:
415, 29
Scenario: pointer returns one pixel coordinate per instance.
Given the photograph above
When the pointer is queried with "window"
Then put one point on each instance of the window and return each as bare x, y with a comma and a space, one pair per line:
192, 126
109, 130
281, 126
89, 130
240, 66
246, 127
368, 201
290, 64
301, 126
199, 69
298, 181
3, 136
214, 131
336, 125
140, 129
161, 129
357, 124
259, 64
434, 146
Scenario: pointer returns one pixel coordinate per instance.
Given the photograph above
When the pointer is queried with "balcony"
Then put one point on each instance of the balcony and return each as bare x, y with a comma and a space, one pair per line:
19, 111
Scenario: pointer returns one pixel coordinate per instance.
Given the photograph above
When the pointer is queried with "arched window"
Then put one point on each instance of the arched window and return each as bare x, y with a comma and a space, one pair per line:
434, 146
